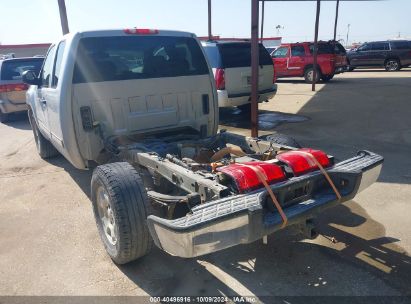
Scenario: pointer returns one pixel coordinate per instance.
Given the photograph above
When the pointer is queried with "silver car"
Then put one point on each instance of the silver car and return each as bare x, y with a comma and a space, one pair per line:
12, 88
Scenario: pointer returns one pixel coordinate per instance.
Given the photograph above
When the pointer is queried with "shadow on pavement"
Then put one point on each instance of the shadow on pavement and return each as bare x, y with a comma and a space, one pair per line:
81, 177
267, 120
18, 121
354, 265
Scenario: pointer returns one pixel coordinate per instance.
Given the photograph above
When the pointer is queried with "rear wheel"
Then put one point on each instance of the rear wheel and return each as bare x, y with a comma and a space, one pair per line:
3, 117
309, 75
44, 147
121, 207
392, 65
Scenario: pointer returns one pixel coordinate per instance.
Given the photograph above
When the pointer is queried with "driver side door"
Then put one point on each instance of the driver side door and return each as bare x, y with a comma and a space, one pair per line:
280, 60
361, 57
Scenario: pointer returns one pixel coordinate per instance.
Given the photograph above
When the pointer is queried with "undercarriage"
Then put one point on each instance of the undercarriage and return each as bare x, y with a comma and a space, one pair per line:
209, 194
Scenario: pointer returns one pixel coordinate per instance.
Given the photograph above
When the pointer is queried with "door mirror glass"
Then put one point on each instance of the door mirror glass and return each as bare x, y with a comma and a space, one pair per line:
30, 77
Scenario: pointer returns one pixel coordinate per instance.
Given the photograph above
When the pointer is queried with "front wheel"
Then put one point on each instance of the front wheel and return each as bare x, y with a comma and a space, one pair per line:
44, 148
309, 75
392, 65
121, 207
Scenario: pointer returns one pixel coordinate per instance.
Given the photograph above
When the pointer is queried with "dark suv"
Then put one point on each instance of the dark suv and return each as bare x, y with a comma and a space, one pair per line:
393, 55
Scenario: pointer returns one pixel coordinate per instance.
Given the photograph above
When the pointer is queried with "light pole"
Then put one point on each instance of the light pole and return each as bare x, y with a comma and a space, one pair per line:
348, 32
63, 16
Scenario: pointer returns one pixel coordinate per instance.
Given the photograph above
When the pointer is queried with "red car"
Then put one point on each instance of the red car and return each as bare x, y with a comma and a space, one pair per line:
296, 60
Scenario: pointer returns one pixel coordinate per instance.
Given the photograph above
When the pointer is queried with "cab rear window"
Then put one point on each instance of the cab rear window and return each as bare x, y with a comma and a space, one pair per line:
235, 55
12, 69
134, 57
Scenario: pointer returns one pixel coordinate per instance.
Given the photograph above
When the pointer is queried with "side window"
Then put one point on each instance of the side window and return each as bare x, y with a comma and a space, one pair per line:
297, 50
380, 46
281, 52
364, 48
57, 65
401, 45
47, 69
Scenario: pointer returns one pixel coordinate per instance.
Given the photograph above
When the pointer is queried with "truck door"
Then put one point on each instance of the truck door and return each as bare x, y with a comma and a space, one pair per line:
361, 56
379, 52
280, 59
52, 96
296, 62
42, 92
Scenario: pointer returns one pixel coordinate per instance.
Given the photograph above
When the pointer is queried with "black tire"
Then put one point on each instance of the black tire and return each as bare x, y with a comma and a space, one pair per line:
281, 139
4, 117
392, 65
308, 75
44, 148
129, 207
246, 108
327, 78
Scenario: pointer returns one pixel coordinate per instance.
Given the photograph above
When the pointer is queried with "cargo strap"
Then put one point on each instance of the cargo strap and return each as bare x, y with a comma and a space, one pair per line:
263, 178
326, 175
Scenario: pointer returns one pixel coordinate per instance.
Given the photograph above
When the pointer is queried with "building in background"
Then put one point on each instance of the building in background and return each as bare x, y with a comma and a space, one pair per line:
271, 42
24, 50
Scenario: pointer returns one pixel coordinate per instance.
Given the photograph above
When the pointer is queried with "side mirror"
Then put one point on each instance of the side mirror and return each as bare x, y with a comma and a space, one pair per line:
30, 77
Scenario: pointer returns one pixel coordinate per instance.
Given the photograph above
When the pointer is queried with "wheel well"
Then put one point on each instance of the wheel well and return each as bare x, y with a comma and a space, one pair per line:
310, 66
389, 58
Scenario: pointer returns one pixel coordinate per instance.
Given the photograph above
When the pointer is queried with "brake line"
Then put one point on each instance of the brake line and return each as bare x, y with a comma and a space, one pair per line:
263, 179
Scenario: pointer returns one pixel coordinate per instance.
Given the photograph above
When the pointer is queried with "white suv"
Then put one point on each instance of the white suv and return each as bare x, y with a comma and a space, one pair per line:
231, 63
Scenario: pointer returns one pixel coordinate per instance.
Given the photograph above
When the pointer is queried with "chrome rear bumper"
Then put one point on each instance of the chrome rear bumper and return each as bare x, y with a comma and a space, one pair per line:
243, 218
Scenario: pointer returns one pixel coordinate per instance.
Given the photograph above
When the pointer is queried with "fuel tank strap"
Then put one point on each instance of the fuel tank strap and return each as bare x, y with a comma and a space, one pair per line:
326, 175
263, 179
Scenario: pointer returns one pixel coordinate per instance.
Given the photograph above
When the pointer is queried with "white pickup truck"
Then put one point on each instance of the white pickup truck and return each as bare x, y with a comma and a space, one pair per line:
140, 107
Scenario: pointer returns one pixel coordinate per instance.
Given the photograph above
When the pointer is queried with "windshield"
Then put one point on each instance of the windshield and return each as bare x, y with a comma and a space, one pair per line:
12, 69
135, 57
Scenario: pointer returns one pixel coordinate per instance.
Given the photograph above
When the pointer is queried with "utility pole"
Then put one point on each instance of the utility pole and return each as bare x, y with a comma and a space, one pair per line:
262, 21
63, 17
317, 22
348, 32
336, 19
254, 67
210, 35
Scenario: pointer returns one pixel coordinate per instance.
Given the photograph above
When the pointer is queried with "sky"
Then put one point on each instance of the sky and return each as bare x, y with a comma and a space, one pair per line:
37, 21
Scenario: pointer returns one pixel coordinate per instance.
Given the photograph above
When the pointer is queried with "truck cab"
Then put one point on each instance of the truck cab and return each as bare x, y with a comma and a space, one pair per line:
121, 83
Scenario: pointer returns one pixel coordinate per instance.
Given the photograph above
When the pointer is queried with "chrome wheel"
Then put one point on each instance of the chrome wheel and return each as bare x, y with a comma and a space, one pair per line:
392, 65
106, 215
310, 75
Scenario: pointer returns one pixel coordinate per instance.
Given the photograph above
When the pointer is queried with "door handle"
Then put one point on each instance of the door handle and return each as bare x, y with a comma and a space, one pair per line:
43, 100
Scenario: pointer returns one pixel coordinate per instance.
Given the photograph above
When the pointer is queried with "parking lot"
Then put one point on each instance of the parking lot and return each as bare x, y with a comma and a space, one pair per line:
50, 244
